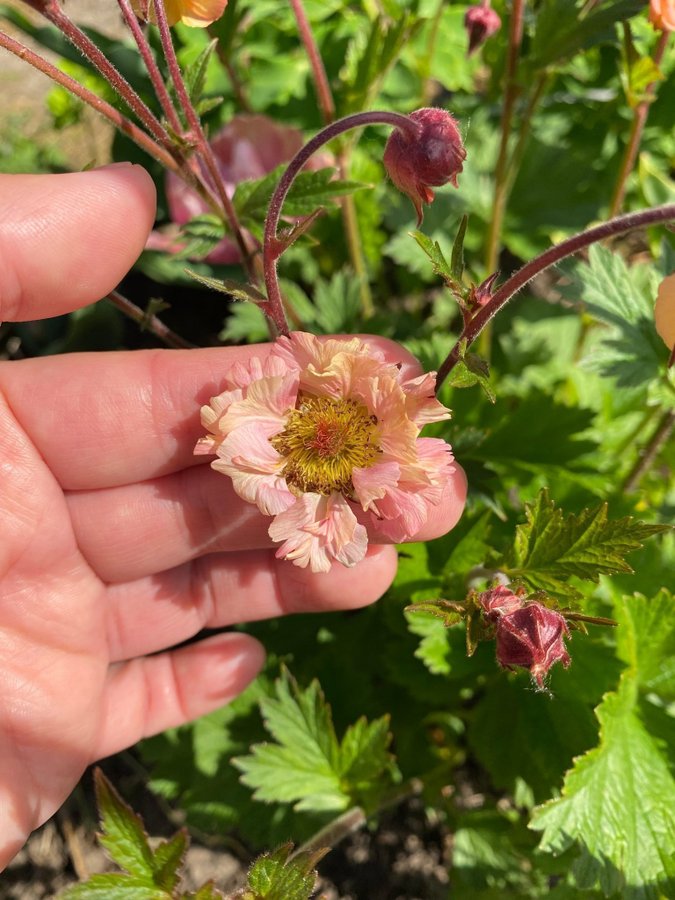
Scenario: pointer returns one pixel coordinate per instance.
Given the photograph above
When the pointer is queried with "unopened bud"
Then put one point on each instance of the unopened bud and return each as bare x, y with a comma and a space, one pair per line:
431, 159
532, 637
481, 22
498, 602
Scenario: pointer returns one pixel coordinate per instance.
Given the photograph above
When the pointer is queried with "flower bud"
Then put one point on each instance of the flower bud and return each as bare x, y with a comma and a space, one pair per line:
664, 313
498, 602
431, 159
532, 637
481, 22
662, 14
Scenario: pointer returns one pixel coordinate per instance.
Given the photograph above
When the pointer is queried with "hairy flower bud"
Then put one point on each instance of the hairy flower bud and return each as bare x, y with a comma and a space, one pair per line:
431, 159
481, 22
662, 14
532, 637
498, 602
664, 313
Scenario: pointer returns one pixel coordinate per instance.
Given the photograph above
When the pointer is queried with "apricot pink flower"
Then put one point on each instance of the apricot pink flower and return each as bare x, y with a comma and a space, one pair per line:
323, 435
664, 314
662, 14
195, 13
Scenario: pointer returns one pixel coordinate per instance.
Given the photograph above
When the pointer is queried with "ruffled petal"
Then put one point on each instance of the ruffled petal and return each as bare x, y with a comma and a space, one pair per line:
254, 466
318, 529
373, 483
421, 404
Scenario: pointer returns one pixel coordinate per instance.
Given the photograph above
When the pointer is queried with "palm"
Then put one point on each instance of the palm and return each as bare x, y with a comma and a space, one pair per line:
116, 543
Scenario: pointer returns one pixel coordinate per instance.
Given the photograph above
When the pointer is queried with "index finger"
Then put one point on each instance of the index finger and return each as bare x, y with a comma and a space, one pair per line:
103, 420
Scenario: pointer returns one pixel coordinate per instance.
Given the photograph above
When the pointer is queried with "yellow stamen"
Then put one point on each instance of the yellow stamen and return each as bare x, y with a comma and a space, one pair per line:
323, 442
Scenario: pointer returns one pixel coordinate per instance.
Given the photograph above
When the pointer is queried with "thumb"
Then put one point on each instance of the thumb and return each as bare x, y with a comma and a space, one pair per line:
66, 240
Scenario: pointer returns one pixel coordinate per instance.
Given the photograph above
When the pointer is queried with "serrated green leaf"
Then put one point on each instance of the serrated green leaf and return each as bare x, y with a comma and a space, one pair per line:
337, 304
308, 766
245, 323
436, 257
168, 860
617, 807
472, 370
552, 548
309, 191
646, 640
114, 887
195, 73
124, 836
235, 289
274, 876
199, 236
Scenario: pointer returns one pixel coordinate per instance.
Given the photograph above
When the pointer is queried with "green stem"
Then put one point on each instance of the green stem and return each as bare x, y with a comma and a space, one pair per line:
635, 136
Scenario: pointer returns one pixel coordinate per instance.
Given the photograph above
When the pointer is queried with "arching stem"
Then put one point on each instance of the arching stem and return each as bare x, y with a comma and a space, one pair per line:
273, 248
550, 257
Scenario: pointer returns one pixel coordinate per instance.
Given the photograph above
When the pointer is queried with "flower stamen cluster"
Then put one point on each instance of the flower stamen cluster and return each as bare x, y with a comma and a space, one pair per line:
324, 436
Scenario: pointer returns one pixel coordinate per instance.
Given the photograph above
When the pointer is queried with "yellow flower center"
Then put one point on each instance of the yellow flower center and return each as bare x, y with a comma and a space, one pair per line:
323, 442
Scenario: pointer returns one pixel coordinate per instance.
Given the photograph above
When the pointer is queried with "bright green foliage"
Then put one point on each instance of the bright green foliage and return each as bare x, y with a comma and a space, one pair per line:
149, 874
618, 801
552, 548
280, 876
307, 765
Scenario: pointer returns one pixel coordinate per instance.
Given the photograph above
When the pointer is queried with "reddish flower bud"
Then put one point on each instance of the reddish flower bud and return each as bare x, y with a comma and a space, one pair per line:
431, 159
481, 22
532, 637
498, 602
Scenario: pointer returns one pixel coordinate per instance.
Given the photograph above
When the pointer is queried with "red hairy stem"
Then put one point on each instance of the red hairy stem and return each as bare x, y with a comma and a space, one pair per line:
272, 247
197, 134
637, 127
150, 64
323, 91
125, 125
52, 11
550, 257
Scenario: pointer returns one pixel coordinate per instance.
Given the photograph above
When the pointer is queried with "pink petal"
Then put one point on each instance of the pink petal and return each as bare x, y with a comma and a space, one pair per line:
373, 483
267, 402
317, 530
421, 403
254, 466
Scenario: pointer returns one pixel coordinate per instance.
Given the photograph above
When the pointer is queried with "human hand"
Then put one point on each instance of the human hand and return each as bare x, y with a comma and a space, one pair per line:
116, 542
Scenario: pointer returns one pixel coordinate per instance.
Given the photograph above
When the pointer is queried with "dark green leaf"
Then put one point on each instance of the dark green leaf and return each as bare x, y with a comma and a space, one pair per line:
457, 260
114, 887
552, 548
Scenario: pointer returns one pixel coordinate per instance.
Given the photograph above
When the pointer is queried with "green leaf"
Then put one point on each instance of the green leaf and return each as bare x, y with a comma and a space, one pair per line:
472, 370
168, 860
235, 289
337, 304
438, 261
516, 733
617, 807
200, 235
308, 766
124, 836
114, 887
646, 640
552, 548
273, 876
457, 259
207, 891
245, 322
560, 33
309, 191
629, 350
195, 73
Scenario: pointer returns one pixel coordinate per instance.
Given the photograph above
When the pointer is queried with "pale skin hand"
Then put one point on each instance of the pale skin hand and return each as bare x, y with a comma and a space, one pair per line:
115, 541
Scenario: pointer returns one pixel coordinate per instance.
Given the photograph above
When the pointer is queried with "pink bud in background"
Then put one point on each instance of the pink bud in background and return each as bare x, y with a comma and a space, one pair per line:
481, 22
664, 314
532, 637
431, 159
248, 147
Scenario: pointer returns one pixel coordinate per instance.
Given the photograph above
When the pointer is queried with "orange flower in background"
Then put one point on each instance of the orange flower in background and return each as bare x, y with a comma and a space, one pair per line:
664, 313
662, 14
195, 13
